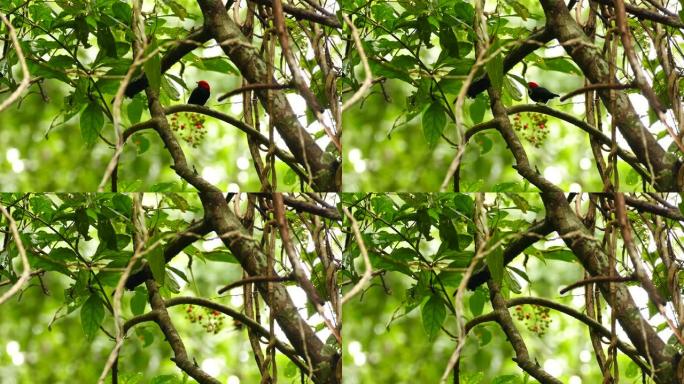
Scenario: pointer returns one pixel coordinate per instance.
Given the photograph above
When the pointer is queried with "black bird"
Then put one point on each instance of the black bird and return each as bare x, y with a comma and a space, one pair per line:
200, 95
539, 94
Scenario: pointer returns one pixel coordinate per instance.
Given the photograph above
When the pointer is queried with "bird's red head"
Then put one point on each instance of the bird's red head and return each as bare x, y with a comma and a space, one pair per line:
532, 84
203, 84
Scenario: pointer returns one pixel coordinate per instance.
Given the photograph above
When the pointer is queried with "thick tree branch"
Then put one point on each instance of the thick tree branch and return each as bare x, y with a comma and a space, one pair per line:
534, 233
503, 317
163, 319
193, 233
590, 60
628, 157
522, 162
304, 14
516, 55
256, 327
591, 255
647, 14
591, 323
171, 57
254, 261
253, 68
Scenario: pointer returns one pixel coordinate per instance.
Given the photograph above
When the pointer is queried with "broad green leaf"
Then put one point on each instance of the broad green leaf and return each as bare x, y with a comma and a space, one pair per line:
434, 121
92, 314
106, 233
155, 258
560, 254
519, 9
165, 379
477, 302
494, 69
632, 370
433, 314
448, 40
494, 260
123, 204
477, 109
139, 301
105, 40
404, 254
290, 370
448, 233
177, 9
290, 177
152, 67
92, 121
63, 254
217, 64
483, 335
506, 379
135, 109
484, 142
220, 255
83, 223
632, 177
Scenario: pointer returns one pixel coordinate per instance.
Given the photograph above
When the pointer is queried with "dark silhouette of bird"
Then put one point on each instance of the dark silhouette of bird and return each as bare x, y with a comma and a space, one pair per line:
539, 94
200, 95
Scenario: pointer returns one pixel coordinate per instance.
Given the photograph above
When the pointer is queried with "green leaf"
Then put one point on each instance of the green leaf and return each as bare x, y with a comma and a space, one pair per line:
483, 335
105, 40
477, 109
92, 314
434, 121
495, 263
145, 335
519, 9
632, 177
178, 201
106, 233
63, 254
477, 302
448, 233
484, 142
632, 370
433, 314
217, 64
221, 256
560, 254
122, 11
177, 9
165, 379
157, 263
494, 68
135, 109
506, 379
448, 40
83, 223
141, 143
290, 177
123, 204
152, 67
139, 301
404, 254
290, 369
92, 121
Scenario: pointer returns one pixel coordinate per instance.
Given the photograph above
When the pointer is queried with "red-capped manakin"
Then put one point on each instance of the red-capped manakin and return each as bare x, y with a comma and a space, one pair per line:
200, 95
539, 94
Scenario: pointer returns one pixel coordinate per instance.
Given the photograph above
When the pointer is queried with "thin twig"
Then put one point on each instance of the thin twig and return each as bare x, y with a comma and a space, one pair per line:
26, 80
26, 273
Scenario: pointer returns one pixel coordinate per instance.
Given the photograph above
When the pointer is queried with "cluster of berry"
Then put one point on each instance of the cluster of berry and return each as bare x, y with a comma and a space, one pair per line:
537, 320
534, 129
211, 320
189, 127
